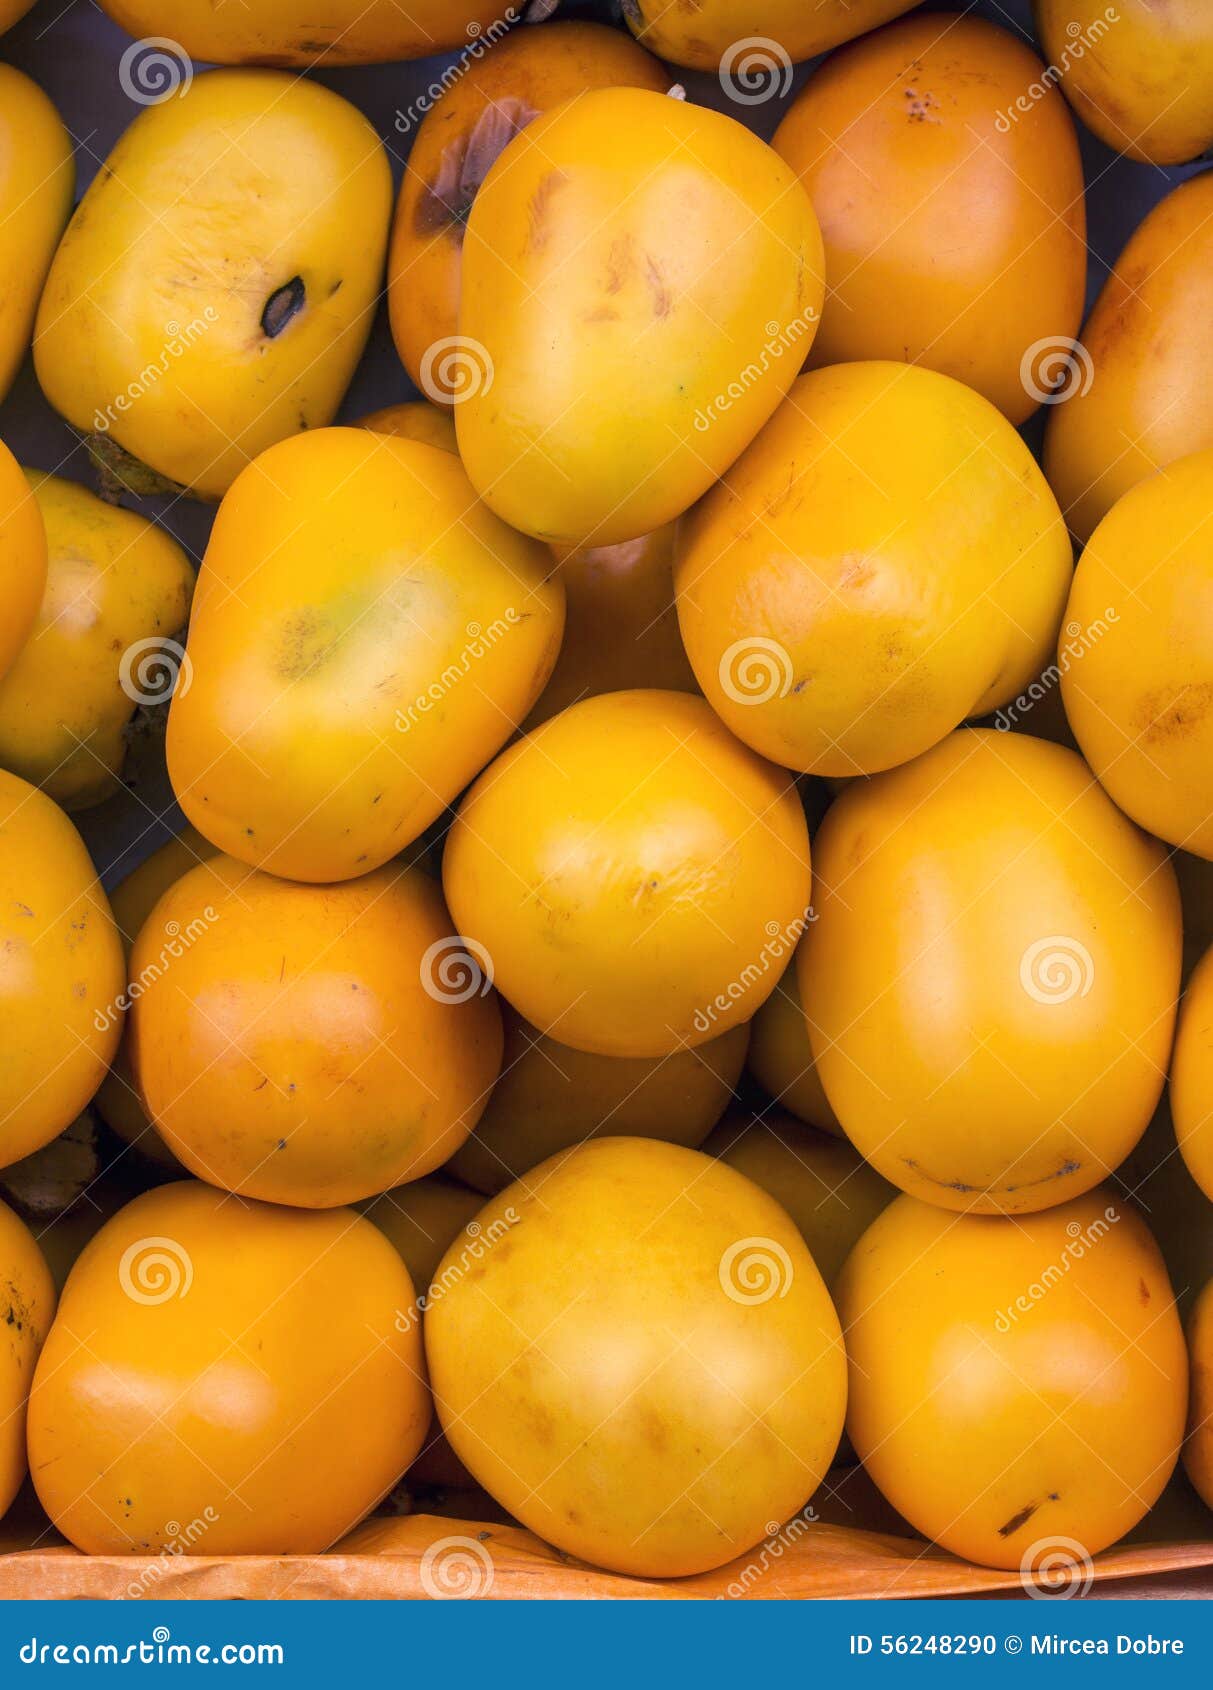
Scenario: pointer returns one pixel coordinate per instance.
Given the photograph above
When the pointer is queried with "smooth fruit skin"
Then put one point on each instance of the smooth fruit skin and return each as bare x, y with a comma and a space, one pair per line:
61, 972
641, 280
736, 36
27, 1306
23, 559
305, 32
459, 137
1198, 1450
645, 1367
1138, 74
829, 1191
422, 1219
307, 1045
781, 1059
551, 1097
990, 983
1141, 397
1140, 698
117, 586
621, 623
210, 1363
883, 562
632, 872
954, 237
1192, 1076
365, 637
164, 330
37, 181
132, 901
1014, 1384
416, 419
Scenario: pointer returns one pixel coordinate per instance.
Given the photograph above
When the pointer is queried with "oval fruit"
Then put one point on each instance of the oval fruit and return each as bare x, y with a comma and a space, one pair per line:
781, 1059
955, 237
1139, 75
132, 900
641, 280
365, 637
1198, 1451
62, 976
885, 561
416, 419
23, 555
550, 1097
214, 289
208, 1364
646, 1369
826, 1187
1016, 1387
1192, 1076
752, 39
458, 139
621, 623
308, 1045
37, 181
1141, 395
1140, 701
990, 983
630, 871
27, 1306
117, 588
304, 32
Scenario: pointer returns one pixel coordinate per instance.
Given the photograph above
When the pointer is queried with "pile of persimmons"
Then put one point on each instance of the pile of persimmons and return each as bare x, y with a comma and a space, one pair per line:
487, 1081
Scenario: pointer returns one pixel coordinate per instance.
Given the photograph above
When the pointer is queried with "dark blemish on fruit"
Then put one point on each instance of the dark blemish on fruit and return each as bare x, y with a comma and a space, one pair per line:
282, 1144
282, 306
1018, 1520
663, 300
446, 203
1143, 1290
539, 210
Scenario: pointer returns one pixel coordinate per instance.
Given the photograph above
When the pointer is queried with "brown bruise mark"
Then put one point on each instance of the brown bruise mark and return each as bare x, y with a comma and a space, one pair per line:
1018, 1520
446, 202
539, 209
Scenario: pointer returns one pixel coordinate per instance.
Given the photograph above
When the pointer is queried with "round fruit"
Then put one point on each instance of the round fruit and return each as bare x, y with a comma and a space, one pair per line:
641, 280
955, 236
421, 1219
27, 1305
885, 561
1140, 699
990, 983
827, 1188
249, 1367
631, 872
309, 1045
459, 137
37, 181
417, 419
304, 32
781, 1059
646, 1368
1016, 1386
365, 637
1192, 1076
751, 41
62, 976
551, 1097
1139, 395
